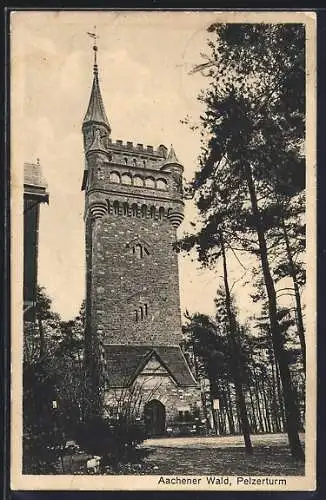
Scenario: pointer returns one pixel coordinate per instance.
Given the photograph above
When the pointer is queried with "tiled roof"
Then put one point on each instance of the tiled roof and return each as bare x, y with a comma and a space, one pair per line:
125, 362
33, 175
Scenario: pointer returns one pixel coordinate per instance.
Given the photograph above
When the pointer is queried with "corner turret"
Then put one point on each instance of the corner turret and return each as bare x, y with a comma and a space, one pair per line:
95, 118
172, 165
96, 127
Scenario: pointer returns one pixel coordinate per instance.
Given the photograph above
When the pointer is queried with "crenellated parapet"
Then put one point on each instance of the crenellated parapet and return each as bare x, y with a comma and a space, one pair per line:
138, 149
125, 154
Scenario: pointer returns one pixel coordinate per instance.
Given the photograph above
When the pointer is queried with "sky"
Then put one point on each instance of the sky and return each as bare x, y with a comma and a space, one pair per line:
144, 63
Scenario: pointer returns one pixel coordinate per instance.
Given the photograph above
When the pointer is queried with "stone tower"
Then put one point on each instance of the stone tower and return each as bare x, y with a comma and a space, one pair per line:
133, 206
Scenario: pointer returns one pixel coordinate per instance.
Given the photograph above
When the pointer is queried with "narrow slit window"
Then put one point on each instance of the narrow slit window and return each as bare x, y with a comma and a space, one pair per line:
144, 211
138, 251
116, 208
134, 210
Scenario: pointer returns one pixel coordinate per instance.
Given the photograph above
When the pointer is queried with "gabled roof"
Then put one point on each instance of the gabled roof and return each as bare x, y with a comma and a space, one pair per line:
95, 111
125, 362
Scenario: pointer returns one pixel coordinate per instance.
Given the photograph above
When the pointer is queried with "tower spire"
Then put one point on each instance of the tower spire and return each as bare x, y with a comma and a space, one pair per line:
171, 158
95, 113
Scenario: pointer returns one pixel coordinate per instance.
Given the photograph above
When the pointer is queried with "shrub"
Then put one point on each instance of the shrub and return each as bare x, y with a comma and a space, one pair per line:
115, 441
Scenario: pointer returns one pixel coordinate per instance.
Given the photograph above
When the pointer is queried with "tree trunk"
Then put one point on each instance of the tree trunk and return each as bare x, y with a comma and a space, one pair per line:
300, 325
291, 410
257, 398
229, 410
277, 393
235, 355
276, 408
222, 417
267, 414
253, 416
280, 396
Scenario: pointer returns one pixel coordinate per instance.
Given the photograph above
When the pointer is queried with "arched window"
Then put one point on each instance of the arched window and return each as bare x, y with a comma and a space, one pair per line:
161, 213
115, 177
141, 313
152, 212
134, 162
138, 181
139, 251
134, 210
144, 211
126, 179
126, 160
116, 208
144, 163
109, 205
150, 182
161, 184
125, 208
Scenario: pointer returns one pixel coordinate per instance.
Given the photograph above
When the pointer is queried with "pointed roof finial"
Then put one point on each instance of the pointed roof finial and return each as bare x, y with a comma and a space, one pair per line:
96, 112
172, 157
95, 48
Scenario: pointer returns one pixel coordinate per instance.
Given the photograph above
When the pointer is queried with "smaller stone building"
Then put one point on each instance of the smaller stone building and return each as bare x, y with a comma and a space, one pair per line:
156, 382
35, 192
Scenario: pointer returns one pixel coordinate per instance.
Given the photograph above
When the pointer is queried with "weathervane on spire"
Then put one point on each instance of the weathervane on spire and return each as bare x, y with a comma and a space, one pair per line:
94, 36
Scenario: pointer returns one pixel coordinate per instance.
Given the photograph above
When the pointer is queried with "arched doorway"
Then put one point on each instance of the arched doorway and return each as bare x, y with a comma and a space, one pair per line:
154, 416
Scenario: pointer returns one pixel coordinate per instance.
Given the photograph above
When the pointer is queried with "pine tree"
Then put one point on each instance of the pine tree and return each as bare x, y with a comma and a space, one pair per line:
253, 132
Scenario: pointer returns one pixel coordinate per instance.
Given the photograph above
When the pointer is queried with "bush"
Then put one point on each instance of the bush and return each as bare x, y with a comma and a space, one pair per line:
114, 441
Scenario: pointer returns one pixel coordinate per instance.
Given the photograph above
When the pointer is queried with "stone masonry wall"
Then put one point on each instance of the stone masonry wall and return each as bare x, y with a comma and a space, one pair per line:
160, 388
135, 298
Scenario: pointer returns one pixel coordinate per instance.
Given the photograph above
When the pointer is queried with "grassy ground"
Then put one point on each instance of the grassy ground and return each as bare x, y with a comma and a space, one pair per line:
207, 456
223, 462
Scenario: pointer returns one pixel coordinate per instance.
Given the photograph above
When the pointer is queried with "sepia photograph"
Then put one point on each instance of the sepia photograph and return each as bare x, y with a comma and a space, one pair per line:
163, 253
